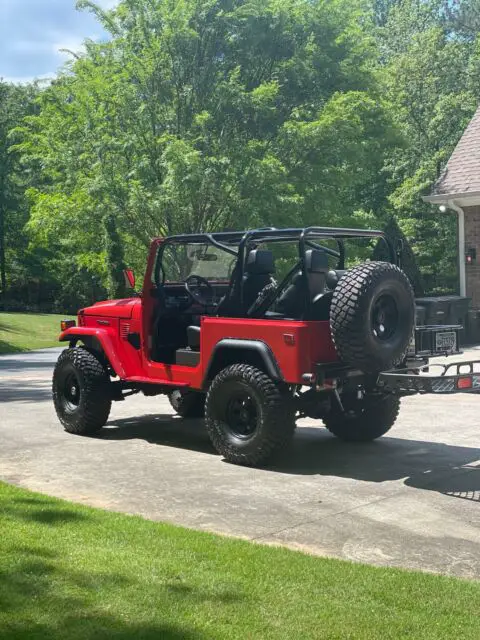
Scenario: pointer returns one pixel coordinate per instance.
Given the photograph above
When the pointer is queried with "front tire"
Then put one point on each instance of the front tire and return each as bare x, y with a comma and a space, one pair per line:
80, 391
248, 416
365, 420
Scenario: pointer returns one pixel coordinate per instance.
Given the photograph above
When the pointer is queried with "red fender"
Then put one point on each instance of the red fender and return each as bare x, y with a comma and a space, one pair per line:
105, 337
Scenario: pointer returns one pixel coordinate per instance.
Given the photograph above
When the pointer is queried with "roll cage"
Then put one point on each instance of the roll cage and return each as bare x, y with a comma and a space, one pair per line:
239, 243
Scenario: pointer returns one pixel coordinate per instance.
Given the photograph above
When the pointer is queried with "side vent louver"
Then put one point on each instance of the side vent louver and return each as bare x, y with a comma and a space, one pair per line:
124, 330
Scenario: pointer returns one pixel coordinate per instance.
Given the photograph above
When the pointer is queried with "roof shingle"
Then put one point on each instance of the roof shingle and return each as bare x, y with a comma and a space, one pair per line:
462, 173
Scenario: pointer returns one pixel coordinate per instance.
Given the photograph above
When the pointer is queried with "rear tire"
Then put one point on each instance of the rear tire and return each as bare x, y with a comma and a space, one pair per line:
187, 403
248, 416
372, 316
80, 391
365, 420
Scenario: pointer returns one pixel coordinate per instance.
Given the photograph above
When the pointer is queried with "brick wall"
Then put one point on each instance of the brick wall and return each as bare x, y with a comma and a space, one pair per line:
472, 239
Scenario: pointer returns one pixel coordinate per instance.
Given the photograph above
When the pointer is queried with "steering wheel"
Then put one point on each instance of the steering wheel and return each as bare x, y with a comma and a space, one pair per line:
194, 286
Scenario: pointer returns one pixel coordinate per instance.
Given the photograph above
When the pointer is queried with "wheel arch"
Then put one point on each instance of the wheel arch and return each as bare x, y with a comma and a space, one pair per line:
99, 343
235, 350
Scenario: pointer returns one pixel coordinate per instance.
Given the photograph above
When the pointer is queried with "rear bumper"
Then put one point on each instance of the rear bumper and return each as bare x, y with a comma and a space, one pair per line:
455, 377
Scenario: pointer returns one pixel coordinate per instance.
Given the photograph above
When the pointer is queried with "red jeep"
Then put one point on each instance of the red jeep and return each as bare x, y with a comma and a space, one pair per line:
215, 331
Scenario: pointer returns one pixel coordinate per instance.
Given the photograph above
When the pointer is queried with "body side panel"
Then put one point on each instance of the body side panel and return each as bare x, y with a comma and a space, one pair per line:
296, 347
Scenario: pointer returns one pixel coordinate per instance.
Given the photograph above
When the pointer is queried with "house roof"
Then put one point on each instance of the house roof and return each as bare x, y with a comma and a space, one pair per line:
461, 176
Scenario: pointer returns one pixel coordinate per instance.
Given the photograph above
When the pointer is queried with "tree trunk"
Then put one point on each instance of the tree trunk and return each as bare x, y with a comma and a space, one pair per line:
115, 259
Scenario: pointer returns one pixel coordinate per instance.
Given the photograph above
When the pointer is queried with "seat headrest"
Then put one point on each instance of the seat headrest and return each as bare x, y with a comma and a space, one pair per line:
260, 262
316, 261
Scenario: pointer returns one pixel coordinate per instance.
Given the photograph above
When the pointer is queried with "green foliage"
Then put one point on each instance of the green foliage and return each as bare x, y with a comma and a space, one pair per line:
208, 114
431, 82
408, 261
15, 103
114, 258
26, 331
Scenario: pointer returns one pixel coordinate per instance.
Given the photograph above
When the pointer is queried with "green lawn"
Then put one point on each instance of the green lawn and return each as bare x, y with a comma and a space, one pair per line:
27, 331
69, 571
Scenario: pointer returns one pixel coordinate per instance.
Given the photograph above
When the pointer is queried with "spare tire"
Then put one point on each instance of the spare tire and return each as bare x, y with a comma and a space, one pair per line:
372, 316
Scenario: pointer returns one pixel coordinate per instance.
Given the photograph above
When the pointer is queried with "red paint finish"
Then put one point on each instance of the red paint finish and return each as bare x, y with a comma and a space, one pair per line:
124, 358
308, 344
113, 308
312, 344
107, 338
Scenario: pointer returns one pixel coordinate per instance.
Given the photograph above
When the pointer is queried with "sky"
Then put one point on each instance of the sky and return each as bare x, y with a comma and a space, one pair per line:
32, 32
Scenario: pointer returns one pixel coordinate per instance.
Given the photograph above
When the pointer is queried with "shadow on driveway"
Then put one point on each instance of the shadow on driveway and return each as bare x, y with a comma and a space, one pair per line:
163, 429
18, 390
433, 466
15, 365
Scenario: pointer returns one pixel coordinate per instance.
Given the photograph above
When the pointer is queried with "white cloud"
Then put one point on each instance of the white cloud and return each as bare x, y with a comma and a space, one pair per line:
30, 46
33, 33
71, 43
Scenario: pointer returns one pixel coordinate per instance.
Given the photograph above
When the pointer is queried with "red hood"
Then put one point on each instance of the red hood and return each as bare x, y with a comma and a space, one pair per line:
113, 308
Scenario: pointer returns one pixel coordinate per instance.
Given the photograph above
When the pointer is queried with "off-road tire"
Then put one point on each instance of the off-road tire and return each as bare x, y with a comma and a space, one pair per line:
352, 313
88, 411
377, 417
187, 403
273, 407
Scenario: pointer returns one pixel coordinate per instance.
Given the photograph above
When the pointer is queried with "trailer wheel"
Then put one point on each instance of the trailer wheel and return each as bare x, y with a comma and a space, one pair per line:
364, 420
80, 391
372, 316
248, 416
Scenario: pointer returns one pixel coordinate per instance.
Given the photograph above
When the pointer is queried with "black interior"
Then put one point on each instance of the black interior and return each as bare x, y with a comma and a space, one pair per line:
259, 269
294, 300
176, 331
177, 320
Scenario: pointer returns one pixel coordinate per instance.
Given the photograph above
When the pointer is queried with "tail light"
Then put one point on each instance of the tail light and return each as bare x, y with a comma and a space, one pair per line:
465, 383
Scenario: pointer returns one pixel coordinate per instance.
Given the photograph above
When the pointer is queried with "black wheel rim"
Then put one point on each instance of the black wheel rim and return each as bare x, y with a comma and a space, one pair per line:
241, 415
71, 392
175, 399
384, 317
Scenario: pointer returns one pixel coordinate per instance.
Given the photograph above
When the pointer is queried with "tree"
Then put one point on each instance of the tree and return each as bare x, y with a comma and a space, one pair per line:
15, 103
430, 81
114, 254
206, 114
408, 260
463, 18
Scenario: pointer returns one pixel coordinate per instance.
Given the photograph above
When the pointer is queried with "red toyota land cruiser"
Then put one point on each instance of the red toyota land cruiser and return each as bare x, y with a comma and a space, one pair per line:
254, 328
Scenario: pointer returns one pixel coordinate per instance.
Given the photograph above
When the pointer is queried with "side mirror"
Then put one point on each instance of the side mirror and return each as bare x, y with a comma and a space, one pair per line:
129, 278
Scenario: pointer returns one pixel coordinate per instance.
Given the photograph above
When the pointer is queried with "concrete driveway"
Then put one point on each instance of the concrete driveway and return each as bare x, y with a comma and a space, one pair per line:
411, 499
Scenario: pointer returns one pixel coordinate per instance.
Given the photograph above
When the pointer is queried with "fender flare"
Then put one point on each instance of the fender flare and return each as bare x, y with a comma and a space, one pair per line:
103, 337
260, 349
